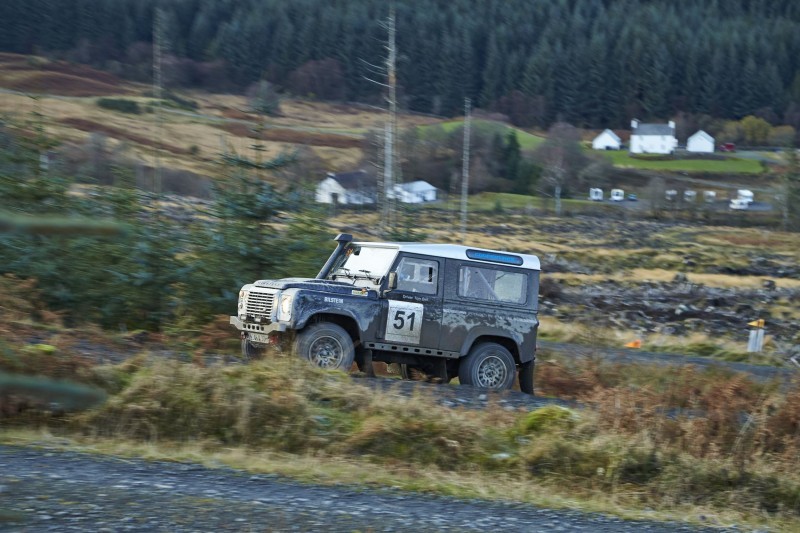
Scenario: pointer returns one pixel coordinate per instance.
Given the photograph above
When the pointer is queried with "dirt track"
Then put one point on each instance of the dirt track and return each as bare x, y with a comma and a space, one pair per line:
43, 490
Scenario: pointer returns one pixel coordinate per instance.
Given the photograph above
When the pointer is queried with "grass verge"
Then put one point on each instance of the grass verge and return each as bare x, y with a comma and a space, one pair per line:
678, 441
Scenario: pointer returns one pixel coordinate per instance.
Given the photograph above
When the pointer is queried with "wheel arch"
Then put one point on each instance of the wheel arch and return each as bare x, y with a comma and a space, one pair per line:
346, 322
506, 342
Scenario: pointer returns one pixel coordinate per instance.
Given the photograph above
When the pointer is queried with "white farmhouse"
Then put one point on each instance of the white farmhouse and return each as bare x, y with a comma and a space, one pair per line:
415, 192
700, 142
653, 138
608, 140
347, 188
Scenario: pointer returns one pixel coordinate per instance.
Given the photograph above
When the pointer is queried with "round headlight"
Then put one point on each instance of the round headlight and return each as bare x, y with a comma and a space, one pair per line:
286, 305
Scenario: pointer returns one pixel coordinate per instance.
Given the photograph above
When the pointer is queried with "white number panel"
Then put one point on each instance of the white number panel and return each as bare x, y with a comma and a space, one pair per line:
404, 322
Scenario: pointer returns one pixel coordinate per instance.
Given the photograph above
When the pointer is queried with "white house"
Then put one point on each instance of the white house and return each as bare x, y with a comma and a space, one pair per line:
608, 140
415, 192
347, 188
617, 195
700, 142
653, 138
596, 194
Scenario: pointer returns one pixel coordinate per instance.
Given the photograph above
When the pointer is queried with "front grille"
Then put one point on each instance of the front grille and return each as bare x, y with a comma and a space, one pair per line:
259, 304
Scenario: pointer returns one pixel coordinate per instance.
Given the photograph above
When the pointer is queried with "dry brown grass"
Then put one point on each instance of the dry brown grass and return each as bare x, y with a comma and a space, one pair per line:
94, 127
664, 438
294, 136
37, 75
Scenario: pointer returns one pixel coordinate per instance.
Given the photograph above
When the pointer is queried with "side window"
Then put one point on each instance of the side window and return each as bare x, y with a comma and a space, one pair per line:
493, 285
417, 275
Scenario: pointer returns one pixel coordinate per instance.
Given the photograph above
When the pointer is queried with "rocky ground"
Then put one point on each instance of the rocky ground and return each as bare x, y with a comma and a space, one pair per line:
43, 490
678, 307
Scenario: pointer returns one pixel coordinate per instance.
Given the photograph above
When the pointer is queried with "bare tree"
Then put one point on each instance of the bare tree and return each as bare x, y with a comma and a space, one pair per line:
656, 193
561, 159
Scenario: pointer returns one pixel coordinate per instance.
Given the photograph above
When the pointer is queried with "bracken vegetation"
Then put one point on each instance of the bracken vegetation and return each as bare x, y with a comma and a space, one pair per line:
660, 438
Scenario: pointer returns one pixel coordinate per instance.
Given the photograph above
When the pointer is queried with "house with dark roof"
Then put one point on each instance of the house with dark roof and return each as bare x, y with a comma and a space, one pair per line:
652, 138
347, 188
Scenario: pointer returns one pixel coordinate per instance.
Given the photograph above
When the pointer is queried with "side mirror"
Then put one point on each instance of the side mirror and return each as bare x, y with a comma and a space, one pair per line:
392, 281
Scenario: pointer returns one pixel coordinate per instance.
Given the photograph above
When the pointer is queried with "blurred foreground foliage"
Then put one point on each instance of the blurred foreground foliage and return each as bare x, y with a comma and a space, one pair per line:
113, 256
682, 438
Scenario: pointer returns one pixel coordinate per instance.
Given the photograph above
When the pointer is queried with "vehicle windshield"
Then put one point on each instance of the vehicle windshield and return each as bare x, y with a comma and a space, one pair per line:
364, 266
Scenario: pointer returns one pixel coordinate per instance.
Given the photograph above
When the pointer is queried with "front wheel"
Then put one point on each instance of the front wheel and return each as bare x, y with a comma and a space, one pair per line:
326, 345
489, 366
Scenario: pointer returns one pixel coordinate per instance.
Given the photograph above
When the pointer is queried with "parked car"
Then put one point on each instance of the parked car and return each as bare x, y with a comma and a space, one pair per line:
632, 197
739, 204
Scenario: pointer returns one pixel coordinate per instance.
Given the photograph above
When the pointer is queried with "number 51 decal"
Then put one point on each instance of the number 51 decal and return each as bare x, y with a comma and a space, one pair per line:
404, 322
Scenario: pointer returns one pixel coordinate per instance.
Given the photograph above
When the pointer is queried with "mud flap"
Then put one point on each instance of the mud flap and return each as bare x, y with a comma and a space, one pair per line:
364, 362
526, 376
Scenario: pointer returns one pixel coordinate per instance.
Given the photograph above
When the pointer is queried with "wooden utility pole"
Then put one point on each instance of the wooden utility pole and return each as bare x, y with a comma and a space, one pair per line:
465, 169
390, 174
390, 177
158, 83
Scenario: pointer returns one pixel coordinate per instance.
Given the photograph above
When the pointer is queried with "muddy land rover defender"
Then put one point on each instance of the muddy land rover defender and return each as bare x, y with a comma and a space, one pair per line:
439, 310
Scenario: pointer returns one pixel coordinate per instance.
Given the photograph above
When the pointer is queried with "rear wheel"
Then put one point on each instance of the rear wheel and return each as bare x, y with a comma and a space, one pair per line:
489, 366
326, 345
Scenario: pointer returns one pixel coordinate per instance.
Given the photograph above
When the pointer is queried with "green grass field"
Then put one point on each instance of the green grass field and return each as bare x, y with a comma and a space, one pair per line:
488, 201
527, 141
731, 165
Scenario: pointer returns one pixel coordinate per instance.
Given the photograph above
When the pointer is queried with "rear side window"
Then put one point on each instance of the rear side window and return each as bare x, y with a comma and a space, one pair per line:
417, 275
494, 285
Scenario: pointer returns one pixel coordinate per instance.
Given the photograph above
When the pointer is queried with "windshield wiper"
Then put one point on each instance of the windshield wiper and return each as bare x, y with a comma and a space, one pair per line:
371, 277
347, 273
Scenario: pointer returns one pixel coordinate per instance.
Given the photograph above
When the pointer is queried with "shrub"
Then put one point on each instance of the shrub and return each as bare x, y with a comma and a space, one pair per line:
120, 104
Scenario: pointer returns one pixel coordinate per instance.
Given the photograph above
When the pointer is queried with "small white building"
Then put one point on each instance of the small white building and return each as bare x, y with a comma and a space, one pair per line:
689, 195
347, 188
617, 195
670, 195
596, 194
653, 138
709, 196
608, 140
415, 192
700, 142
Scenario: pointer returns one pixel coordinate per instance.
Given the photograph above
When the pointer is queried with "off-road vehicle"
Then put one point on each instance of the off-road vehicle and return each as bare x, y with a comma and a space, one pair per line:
438, 310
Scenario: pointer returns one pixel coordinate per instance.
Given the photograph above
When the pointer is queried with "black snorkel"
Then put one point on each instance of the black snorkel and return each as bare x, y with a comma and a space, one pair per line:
343, 239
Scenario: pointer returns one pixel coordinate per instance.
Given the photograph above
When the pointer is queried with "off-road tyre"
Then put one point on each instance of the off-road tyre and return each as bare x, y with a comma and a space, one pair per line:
488, 366
326, 345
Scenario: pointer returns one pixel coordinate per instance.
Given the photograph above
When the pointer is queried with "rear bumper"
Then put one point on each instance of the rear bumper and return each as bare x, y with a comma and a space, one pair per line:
246, 327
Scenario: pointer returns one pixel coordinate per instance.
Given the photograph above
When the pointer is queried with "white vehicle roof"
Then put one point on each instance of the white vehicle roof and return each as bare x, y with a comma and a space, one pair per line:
456, 251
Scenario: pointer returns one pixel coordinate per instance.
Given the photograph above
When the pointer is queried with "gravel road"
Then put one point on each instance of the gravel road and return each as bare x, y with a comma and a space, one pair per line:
67, 491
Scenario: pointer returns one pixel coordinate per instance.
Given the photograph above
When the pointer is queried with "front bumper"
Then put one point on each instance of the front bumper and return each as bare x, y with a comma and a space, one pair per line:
257, 328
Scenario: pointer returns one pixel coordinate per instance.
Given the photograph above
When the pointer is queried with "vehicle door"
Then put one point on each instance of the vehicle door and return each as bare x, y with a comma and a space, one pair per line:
413, 310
